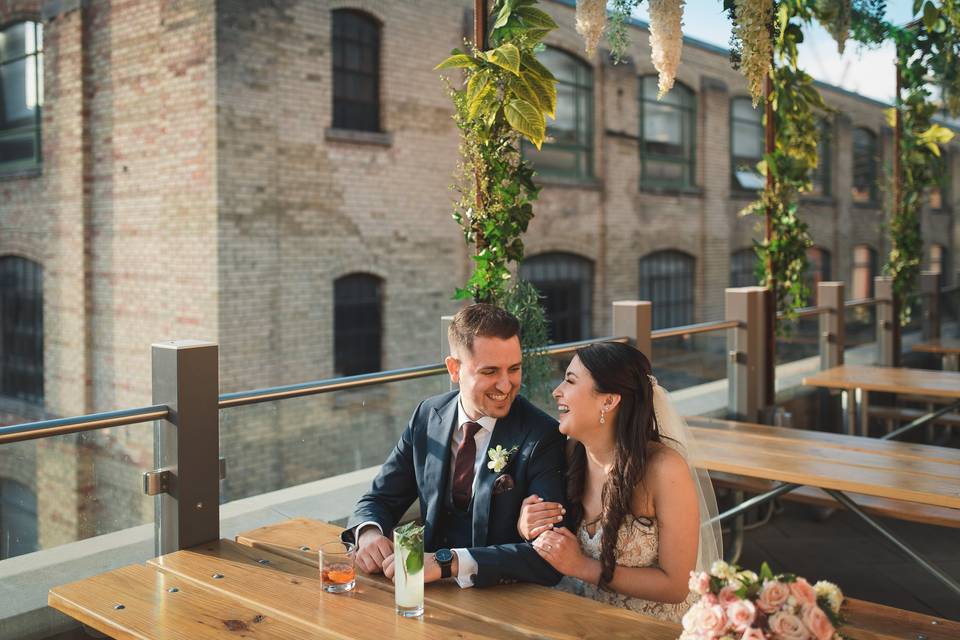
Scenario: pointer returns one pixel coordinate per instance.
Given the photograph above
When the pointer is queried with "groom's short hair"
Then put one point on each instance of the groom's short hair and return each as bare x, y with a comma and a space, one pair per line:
480, 319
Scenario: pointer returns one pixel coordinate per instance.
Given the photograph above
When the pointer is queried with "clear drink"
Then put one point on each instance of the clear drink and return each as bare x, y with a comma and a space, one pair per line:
408, 570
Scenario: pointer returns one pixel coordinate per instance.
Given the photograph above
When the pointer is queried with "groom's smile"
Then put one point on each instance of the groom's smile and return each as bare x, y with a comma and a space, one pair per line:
488, 375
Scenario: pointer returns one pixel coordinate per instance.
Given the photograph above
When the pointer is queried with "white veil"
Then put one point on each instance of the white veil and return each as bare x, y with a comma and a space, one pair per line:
678, 437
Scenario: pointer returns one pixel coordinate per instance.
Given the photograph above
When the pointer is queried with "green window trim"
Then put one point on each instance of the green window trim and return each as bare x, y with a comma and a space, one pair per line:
581, 149
687, 108
26, 129
744, 177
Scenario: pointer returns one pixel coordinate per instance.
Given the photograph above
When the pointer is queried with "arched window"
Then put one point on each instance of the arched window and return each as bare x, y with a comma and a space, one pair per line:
667, 135
356, 71
746, 144
21, 94
743, 268
570, 152
565, 281
818, 269
863, 272
357, 324
18, 519
821, 175
865, 160
666, 279
21, 329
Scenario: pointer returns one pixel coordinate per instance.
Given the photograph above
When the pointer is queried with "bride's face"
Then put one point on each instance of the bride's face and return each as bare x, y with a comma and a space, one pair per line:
578, 402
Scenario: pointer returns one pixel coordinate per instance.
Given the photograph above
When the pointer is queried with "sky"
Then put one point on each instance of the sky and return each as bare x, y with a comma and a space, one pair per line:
869, 72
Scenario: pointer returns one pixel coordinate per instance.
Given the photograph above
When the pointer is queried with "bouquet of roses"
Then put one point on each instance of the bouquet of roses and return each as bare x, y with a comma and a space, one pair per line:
740, 605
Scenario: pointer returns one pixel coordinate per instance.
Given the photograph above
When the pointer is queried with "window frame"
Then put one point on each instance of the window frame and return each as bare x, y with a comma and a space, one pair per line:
873, 200
688, 111
13, 166
26, 382
734, 181
662, 303
573, 262
754, 260
336, 71
583, 153
348, 360
824, 167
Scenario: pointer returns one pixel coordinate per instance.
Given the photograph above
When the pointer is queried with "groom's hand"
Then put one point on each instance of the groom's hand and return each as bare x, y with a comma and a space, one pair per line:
431, 568
372, 549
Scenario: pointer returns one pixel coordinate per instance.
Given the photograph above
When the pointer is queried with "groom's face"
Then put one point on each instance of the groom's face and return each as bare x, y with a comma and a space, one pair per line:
489, 376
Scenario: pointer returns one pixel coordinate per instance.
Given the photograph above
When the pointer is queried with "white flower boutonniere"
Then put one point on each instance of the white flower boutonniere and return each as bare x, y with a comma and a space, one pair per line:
499, 457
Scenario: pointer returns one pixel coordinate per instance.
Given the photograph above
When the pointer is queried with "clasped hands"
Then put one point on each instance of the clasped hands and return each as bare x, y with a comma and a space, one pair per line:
539, 521
375, 555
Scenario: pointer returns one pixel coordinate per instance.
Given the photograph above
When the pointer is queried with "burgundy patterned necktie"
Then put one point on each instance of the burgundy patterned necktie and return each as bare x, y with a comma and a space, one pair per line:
464, 465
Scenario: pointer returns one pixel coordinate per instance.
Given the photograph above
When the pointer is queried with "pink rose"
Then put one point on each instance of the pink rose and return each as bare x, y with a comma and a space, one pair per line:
818, 623
709, 599
710, 620
741, 614
786, 626
728, 595
753, 634
772, 596
803, 592
699, 582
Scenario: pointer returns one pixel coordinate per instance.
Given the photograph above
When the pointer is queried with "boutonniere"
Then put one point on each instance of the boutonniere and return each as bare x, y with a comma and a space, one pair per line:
499, 458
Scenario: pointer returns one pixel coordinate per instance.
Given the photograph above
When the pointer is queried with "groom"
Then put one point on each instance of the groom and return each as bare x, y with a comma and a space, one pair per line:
470, 510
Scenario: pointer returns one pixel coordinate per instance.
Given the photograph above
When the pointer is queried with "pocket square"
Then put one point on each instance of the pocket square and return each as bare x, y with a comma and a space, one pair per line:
502, 484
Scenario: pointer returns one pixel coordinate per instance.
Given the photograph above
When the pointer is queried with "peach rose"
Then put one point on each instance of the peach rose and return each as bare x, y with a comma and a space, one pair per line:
786, 626
728, 596
710, 621
772, 596
699, 582
818, 623
753, 634
803, 592
741, 614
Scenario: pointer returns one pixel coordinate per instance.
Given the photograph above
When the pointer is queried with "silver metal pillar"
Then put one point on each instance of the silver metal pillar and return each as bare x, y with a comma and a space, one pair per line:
634, 319
833, 332
185, 378
746, 352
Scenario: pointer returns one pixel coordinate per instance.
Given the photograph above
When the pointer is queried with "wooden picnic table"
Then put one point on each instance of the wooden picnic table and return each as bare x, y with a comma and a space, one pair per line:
857, 381
947, 348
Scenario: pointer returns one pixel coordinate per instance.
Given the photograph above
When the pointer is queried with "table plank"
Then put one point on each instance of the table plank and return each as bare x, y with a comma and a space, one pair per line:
942, 346
878, 622
888, 379
291, 591
530, 609
151, 611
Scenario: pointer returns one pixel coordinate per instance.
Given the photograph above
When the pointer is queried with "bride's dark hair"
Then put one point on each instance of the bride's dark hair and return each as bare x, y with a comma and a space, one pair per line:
624, 370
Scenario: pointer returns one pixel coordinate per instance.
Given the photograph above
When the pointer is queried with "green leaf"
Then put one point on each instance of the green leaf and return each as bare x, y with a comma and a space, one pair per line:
930, 15
765, 572
526, 119
457, 61
546, 90
506, 56
414, 562
530, 62
523, 91
534, 17
476, 85
504, 15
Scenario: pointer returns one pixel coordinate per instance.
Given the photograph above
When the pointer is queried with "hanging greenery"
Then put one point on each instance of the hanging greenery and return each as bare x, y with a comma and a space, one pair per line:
752, 38
617, 38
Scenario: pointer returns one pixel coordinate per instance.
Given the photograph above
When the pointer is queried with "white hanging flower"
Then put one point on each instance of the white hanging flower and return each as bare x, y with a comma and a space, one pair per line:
753, 30
837, 15
666, 40
591, 21
831, 592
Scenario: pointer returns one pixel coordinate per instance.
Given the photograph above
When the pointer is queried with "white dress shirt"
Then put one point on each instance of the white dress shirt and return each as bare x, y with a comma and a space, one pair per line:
466, 565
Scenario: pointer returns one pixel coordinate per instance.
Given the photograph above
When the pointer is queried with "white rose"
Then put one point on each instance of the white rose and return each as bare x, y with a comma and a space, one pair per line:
831, 593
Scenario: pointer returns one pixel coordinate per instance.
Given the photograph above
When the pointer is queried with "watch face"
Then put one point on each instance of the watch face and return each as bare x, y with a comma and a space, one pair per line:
444, 555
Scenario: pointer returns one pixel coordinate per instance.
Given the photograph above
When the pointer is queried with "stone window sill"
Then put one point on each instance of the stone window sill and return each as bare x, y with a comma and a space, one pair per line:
374, 138
591, 184
20, 174
693, 192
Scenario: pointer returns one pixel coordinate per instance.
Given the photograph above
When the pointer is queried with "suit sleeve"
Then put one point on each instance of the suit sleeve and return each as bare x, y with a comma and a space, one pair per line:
519, 562
394, 489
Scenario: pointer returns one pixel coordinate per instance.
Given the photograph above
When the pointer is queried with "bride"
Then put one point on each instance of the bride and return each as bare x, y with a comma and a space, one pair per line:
636, 502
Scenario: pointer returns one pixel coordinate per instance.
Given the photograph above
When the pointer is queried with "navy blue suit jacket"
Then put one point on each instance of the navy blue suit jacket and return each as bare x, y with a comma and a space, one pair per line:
418, 468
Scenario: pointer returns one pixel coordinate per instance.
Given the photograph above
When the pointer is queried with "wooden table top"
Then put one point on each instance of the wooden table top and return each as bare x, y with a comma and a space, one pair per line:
899, 470
942, 346
889, 379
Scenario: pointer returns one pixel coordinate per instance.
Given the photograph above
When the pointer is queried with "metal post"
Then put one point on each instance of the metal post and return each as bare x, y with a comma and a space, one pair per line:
888, 320
833, 332
747, 355
634, 319
930, 296
185, 378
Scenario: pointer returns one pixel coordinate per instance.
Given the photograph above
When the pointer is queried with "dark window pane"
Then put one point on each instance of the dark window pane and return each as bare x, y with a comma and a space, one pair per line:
357, 324
19, 147
820, 179
21, 329
565, 281
667, 134
743, 268
864, 166
666, 279
818, 269
356, 71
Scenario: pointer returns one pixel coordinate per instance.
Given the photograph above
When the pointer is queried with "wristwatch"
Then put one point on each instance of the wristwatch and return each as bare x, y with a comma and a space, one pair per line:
444, 558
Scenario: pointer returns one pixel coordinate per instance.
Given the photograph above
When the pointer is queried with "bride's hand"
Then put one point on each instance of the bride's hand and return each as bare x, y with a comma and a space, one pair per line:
561, 549
537, 516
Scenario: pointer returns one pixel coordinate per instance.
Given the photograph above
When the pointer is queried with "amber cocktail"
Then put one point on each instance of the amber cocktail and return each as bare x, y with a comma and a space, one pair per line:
337, 572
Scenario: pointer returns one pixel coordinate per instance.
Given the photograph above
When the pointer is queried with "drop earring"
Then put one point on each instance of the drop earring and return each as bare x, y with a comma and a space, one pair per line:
602, 419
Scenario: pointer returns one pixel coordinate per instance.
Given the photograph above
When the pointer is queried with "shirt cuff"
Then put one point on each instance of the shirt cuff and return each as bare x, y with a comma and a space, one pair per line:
466, 568
356, 529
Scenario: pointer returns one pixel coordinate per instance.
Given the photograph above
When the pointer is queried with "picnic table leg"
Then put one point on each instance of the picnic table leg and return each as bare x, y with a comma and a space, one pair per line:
951, 362
842, 498
849, 411
863, 402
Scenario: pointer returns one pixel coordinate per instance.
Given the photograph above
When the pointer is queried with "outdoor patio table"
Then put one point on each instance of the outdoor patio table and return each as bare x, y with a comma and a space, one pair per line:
947, 348
857, 381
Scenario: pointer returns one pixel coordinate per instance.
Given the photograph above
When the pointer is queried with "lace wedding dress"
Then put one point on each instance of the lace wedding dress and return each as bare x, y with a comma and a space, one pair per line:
638, 545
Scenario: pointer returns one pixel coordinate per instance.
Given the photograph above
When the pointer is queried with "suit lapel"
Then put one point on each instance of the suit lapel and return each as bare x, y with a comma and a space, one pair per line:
436, 467
507, 433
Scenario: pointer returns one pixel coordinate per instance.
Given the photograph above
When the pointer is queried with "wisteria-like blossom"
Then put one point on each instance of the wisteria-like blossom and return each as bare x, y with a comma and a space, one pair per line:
666, 40
838, 24
591, 21
752, 28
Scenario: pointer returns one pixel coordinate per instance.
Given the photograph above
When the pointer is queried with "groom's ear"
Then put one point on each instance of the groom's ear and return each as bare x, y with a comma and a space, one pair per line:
453, 368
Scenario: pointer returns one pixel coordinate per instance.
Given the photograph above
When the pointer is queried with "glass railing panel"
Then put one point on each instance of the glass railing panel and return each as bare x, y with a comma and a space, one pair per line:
688, 361
861, 334
281, 444
950, 313
798, 340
